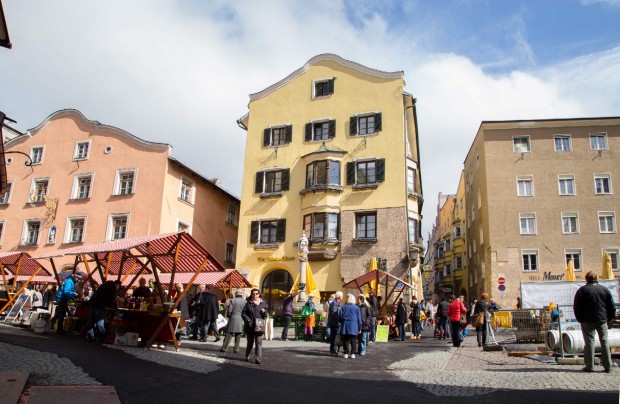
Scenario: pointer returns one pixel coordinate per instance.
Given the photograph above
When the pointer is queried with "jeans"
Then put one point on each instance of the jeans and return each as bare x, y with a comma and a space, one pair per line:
401, 331
332, 338
589, 331
443, 326
481, 333
95, 318
373, 329
254, 339
415, 327
328, 333
207, 326
63, 306
287, 324
457, 337
361, 342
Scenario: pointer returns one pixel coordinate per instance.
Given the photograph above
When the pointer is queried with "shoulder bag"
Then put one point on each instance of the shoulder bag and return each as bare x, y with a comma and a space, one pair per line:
259, 325
478, 320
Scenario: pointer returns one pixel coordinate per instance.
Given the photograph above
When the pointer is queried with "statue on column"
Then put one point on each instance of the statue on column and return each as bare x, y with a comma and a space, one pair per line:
303, 258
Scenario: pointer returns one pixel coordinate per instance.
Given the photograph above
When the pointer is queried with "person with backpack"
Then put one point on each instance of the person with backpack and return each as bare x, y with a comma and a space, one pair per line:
362, 339
416, 309
65, 294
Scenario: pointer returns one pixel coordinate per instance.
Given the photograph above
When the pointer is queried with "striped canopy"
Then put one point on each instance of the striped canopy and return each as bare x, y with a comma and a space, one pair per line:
20, 263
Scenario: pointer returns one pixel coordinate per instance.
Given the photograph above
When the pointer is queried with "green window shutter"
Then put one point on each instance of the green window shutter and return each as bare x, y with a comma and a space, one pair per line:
254, 232
353, 126
266, 137
258, 188
380, 170
332, 129
330, 86
378, 122
308, 132
289, 134
281, 231
350, 173
286, 174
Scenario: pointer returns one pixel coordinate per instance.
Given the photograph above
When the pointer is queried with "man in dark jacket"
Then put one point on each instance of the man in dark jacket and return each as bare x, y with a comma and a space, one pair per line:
594, 308
442, 318
333, 322
209, 313
104, 296
287, 312
374, 309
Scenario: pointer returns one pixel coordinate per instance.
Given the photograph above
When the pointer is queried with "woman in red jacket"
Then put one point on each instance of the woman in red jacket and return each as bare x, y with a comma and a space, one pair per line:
455, 310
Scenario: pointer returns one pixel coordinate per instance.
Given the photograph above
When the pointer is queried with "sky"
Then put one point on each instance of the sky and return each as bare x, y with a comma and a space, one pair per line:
181, 71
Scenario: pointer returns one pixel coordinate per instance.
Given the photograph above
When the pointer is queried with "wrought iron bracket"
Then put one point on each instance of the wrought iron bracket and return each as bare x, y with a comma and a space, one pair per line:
28, 162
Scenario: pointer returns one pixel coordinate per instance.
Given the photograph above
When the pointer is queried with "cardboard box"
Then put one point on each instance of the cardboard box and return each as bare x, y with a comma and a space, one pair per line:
132, 338
121, 339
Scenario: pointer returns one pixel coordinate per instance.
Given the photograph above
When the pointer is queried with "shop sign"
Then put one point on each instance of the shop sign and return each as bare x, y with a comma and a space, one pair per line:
547, 276
263, 259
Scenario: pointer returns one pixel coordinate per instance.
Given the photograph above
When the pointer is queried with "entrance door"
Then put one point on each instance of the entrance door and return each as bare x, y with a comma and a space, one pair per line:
276, 286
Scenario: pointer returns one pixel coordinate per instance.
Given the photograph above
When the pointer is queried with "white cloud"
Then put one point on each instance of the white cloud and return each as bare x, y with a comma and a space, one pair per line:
612, 3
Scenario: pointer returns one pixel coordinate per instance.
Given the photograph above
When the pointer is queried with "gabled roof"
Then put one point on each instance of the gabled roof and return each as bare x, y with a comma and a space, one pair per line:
202, 177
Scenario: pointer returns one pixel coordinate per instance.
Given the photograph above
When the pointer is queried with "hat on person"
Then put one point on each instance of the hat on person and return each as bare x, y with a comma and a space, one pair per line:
310, 295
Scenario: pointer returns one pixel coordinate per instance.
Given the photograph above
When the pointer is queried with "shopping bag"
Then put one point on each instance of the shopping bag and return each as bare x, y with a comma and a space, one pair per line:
478, 320
221, 322
259, 326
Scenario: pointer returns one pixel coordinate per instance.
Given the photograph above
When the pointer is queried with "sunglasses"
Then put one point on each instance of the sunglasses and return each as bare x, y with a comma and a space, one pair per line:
255, 293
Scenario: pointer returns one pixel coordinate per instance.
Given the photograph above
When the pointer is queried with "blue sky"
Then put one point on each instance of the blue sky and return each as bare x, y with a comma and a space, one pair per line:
180, 72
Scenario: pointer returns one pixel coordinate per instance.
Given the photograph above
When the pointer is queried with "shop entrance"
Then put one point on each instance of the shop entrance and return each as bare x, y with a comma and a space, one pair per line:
275, 287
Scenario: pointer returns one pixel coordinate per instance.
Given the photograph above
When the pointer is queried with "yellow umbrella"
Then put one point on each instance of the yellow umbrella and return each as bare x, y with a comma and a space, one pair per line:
373, 284
311, 287
607, 272
570, 272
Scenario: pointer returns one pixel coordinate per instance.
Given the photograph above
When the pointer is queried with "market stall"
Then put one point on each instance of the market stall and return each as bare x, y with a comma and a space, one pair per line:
169, 254
15, 268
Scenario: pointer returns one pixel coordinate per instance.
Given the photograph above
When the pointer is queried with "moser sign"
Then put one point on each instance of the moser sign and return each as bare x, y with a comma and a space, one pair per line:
547, 276
263, 259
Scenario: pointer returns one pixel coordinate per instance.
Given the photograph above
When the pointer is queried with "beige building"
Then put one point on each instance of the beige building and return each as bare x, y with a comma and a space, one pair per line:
332, 150
90, 182
540, 193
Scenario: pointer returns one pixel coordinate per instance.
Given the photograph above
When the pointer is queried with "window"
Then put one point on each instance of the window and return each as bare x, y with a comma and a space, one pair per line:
75, 227
323, 172
413, 231
277, 136
39, 190
366, 172
183, 227
566, 184
447, 271
231, 215
366, 225
575, 256
186, 192
598, 141
410, 180
613, 255
457, 231
365, 124
322, 88
529, 259
525, 186
82, 186
6, 197
607, 222
521, 144
268, 231
570, 223
602, 184
36, 155
81, 150
272, 181
458, 262
31, 232
322, 226
527, 223
117, 226
562, 143
323, 130
230, 253
1, 231
125, 182
477, 162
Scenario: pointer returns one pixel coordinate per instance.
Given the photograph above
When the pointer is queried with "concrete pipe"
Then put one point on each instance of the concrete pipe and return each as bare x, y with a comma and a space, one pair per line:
552, 339
573, 341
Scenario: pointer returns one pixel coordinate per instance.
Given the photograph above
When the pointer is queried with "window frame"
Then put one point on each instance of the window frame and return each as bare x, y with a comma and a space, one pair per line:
68, 237
110, 228
76, 156
524, 179
514, 144
602, 135
6, 197
32, 149
234, 221
527, 216
230, 260
369, 234
26, 232
567, 177
530, 252
188, 226
118, 181
256, 232
33, 196
411, 179
328, 173
606, 176
611, 214
310, 226
568, 215
562, 137
330, 87
2, 227
285, 139
572, 252
191, 190
75, 191
611, 251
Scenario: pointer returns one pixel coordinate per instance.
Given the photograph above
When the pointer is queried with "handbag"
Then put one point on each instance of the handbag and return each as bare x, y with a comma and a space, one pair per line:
259, 326
463, 320
422, 316
478, 320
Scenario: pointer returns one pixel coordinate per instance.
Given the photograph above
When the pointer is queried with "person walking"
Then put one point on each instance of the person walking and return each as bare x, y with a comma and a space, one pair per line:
326, 313
401, 319
197, 307
374, 309
594, 309
104, 296
362, 340
442, 318
235, 322
309, 309
287, 313
416, 309
255, 308
334, 322
481, 307
210, 313
65, 294
351, 321
455, 311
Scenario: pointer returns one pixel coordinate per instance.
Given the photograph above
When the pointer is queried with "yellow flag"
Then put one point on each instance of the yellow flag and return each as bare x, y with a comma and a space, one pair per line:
373, 284
310, 283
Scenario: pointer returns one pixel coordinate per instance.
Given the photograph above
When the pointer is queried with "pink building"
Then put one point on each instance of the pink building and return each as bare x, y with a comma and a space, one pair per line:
91, 182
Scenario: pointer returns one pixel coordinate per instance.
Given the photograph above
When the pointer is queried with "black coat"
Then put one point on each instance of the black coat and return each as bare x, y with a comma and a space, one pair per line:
365, 314
207, 307
251, 312
594, 304
104, 296
481, 306
401, 314
415, 311
374, 304
442, 308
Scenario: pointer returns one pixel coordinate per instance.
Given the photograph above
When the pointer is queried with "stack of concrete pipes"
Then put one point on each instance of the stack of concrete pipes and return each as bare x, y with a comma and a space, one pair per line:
573, 342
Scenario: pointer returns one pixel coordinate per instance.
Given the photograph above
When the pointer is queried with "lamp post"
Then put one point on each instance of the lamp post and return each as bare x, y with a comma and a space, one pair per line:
303, 260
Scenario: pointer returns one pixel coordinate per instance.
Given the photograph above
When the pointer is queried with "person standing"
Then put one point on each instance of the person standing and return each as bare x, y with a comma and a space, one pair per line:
326, 313
333, 322
401, 319
197, 306
142, 291
210, 313
455, 311
594, 308
287, 313
365, 315
235, 322
416, 309
104, 296
310, 308
481, 307
442, 318
65, 294
254, 308
351, 321
374, 309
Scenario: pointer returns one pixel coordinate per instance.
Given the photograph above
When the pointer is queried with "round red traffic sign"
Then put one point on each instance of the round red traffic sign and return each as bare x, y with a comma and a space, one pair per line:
501, 280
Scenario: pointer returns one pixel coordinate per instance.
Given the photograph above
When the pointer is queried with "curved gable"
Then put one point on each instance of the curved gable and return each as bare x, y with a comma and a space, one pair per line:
321, 58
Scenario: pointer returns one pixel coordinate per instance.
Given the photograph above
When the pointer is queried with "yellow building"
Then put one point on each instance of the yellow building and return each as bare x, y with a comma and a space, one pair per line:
443, 245
459, 243
331, 150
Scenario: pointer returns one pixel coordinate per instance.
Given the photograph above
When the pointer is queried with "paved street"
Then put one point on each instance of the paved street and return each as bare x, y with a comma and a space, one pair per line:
294, 371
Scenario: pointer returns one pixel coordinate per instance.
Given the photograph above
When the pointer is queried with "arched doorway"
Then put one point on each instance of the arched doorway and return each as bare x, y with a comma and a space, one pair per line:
276, 286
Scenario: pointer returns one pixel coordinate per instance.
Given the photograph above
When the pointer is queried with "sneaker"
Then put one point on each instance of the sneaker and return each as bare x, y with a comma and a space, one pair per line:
352, 356
346, 356
370, 342
363, 353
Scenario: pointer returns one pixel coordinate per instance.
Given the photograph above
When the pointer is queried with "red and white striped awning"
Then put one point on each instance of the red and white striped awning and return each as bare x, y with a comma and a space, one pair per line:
221, 279
35, 279
21, 263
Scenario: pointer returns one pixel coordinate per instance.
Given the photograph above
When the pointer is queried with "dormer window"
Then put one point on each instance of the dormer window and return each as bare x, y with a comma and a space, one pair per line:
323, 88
365, 124
277, 135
